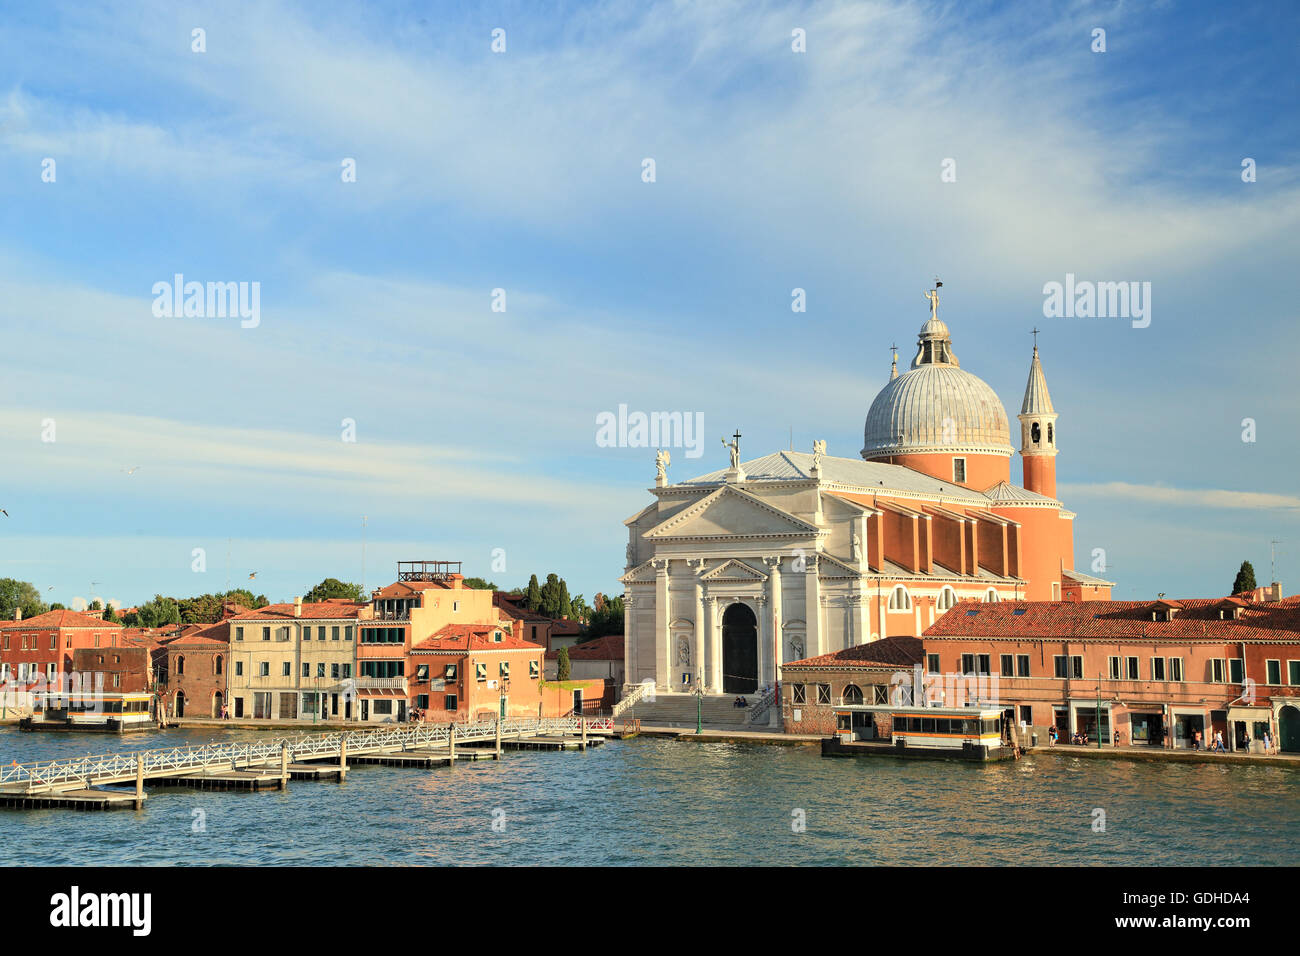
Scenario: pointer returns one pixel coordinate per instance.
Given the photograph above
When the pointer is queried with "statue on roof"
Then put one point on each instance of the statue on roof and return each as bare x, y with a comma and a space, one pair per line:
933, 296
733, 447
819, 450
662, 460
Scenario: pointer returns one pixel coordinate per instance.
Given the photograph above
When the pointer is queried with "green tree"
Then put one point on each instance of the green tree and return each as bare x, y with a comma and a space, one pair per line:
1245, 580
478, 584
159, 612
606, 619
555, 597
56, 606
533, 596
562, 669
95, 605
578, 609
333, 588
15, 594
110, 615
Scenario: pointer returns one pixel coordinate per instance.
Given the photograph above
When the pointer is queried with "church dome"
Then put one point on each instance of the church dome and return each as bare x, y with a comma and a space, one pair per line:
936, 406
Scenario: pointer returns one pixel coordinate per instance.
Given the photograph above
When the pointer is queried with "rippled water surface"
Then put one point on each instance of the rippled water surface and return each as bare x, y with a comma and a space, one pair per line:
648, 801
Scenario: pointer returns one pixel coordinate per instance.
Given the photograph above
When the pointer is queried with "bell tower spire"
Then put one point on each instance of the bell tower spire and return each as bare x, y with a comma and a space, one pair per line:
1038, 431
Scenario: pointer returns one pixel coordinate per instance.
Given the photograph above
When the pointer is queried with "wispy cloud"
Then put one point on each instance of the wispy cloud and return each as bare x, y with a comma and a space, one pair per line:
1184, 497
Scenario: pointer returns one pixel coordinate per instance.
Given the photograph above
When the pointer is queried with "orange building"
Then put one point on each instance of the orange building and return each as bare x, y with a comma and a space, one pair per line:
475, 672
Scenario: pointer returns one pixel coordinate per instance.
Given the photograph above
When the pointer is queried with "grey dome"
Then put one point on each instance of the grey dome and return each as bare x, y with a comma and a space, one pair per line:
936, 406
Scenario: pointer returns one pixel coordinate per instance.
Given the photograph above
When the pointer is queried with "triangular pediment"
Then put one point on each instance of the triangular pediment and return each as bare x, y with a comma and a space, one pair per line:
733, 570
641, 574
730, 512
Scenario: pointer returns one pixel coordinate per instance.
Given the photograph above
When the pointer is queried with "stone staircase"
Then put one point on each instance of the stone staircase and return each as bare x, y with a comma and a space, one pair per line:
679, 710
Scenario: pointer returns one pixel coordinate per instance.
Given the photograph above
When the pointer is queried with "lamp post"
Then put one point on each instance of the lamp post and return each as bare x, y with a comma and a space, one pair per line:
699, 707
1098, 710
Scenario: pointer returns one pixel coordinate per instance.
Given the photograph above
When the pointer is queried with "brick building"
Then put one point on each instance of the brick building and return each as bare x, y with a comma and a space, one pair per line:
195, 672
811, 689
474, 671
122, 670
41, 647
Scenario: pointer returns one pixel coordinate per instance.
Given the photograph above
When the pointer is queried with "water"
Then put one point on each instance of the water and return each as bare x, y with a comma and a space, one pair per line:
654, 801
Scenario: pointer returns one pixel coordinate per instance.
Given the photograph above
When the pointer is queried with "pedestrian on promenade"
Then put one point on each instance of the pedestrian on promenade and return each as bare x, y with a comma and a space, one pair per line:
1051, 736
1196, 740
1268, 743
1218, 743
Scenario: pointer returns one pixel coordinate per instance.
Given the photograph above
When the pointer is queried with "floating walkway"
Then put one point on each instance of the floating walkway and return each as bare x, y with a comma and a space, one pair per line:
80, 782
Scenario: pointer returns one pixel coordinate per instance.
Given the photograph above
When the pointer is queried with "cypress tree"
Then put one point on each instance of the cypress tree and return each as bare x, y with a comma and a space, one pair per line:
1245, 580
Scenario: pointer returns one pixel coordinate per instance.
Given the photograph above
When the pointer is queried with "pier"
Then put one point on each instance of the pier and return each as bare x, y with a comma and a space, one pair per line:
88, 783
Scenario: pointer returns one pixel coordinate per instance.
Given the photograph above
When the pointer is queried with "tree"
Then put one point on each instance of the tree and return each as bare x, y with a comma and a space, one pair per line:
56, 606
95, 605
478, 584
606, 619
110, 615
555, 597
333, 588
15, 594
562, 665
533, 596
1245, 580
159, 612
578, 609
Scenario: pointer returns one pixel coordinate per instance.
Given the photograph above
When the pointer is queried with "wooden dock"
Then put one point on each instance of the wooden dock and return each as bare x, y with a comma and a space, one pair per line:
83, 782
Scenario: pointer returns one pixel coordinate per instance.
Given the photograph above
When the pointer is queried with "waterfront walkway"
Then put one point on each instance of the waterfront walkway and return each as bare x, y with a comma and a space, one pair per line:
271, 764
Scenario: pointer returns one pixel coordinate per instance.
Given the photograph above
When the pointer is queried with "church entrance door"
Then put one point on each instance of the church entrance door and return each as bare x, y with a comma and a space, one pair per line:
739, 650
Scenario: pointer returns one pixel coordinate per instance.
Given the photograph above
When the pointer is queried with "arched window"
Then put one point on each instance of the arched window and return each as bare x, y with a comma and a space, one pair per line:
990, 596
899, 599
947, 598
180, 664
218, 664
1035, 433
852, 694
1051, 434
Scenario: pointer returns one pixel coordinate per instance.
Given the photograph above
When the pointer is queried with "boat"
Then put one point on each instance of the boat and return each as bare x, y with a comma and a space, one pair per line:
93, 712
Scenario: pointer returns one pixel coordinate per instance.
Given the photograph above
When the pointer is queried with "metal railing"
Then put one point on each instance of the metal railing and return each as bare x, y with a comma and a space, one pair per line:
179, 761
765, 700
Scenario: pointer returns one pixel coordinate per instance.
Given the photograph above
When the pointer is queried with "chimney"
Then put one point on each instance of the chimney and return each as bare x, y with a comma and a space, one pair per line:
297, 607
1275, 592
18, 614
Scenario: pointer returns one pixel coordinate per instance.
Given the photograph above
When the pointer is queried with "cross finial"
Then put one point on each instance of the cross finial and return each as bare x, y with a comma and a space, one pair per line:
1035, 338
737, 437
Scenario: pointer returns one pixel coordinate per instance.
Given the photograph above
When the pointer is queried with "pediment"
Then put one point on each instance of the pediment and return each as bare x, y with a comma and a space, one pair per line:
641, 574
730, 512
733, 570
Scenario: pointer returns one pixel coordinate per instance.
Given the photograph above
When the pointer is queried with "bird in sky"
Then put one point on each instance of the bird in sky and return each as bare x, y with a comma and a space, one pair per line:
252, 575
3, 512
132, 470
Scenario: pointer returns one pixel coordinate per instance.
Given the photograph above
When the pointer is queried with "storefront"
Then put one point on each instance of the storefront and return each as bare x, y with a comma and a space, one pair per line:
1247, 727
1086, 719
1147, 727
1187, 724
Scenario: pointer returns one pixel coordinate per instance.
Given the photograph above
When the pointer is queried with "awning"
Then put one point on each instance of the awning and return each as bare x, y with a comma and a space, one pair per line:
1242, 712
372, 693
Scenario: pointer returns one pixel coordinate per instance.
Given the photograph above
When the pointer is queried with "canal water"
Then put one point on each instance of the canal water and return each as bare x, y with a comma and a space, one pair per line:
655, 801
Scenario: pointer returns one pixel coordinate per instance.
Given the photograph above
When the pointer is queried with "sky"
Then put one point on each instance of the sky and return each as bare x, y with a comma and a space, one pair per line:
991, 146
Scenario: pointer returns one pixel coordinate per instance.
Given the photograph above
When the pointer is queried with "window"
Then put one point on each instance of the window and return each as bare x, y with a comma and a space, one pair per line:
306, 670
422, 701
264, 669
823, 693
217, 664
54, 642
1157, 668
96, 641
1293, 672
347, 671
383, 669
381, 635
1235, 669
334, 671
239, 668
480, 672
450, 672
1067, 668
117, 679
534, 669
899, 599
239, 633
1176, 668
990, 596
505, 669
450, 702
968, 663
1026, 714
1132, 668
881, 695
266, 633
347, 633
1113, 670
852, 694
932, 663
797, 694
180, 664
959, 470
1006, 667
455, 606
1217, 670
984, 664
320, 670
382, 706
286, 669
306, 633
421, 672
1051, 433
1274, 671
947, 598
334, 633
1022, 665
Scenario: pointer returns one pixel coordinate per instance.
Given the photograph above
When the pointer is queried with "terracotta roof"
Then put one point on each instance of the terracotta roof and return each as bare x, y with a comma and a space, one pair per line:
563, 625
315, 611
61, 618
472, 637
1196, 619
210, 635
409, 588
511, 608
887, 652
607, 648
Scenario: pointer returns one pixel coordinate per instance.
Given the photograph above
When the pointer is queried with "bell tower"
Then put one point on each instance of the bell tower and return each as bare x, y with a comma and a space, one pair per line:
1038, 431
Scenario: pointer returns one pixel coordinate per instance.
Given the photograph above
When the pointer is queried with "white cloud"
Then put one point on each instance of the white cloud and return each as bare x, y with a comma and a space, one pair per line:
1185, 497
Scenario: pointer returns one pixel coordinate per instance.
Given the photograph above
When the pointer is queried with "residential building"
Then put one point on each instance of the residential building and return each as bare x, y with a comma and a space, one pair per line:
196, 673
866, 674
118, 670
475, 672
41, 648
601, 658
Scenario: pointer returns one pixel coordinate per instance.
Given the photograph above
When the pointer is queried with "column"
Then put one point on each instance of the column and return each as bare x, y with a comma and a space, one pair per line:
719, 607
764, 639
813, 607
713, 665
776, 641
663, 639
862, 617
697, 654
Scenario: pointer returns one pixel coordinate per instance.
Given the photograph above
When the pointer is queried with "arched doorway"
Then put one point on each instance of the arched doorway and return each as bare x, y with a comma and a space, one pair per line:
739, 650
180, 704
1288, 729
216, 704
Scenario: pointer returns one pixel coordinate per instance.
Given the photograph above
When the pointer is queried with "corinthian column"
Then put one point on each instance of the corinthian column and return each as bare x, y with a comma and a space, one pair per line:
663, 638
775, 612
697, 653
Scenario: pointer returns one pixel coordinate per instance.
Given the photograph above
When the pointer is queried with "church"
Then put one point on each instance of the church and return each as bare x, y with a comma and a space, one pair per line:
797, 554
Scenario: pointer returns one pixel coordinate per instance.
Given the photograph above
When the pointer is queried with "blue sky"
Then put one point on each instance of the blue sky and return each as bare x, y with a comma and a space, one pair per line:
522, 170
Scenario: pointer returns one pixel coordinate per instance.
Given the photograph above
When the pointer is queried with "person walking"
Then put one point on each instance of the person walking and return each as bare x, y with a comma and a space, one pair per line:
1268, 743
1196, 740
1051, 736
1218, 743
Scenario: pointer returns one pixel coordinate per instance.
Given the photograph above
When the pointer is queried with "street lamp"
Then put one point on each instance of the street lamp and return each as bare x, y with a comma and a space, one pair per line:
699, 706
